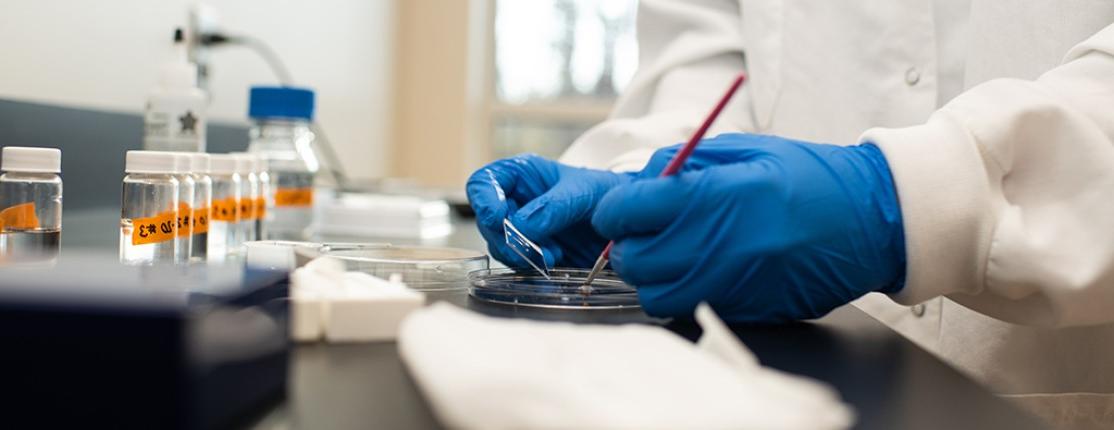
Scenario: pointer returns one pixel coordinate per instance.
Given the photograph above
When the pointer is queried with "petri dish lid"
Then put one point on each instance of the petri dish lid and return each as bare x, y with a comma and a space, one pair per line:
527, 287
423, 268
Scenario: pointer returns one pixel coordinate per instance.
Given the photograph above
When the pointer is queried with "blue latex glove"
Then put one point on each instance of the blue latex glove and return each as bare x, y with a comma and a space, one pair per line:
549, 202
765, 229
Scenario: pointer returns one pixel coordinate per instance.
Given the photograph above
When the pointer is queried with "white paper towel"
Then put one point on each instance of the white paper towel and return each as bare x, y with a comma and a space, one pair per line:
480, 372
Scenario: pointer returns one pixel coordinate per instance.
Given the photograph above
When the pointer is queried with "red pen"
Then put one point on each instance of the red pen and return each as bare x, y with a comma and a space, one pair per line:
674, 166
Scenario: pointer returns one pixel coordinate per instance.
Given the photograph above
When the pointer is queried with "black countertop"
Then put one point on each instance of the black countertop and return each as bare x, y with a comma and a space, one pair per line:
891, 383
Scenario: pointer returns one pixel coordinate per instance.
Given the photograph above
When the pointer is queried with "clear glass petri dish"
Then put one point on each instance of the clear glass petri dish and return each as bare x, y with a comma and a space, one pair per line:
528, 287
423, 268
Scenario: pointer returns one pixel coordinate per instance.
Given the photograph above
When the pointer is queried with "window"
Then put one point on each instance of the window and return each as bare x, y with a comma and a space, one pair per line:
558, 66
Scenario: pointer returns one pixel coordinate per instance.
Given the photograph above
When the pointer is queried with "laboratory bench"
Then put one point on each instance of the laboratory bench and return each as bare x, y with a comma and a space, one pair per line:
891, 382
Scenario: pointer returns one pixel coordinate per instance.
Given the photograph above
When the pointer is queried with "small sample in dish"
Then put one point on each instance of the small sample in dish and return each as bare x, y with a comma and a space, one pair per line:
422, 268
561, 290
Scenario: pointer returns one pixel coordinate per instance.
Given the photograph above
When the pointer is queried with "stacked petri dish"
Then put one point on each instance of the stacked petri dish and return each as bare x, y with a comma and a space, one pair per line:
423, 268
560, 289
426, 268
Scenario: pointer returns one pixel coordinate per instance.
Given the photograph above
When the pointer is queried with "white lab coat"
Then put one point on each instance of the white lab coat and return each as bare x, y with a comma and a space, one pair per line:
997, 119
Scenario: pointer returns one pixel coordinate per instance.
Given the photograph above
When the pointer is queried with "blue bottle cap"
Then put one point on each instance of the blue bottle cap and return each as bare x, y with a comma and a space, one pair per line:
281, 102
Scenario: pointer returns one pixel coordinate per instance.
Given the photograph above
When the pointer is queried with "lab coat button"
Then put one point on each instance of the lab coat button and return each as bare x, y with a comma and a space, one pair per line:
917, 309
912, 76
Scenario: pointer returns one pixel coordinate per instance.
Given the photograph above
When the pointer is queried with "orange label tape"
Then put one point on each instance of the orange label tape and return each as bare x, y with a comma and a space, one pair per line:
185, 219
19, 217
293, 197
247, 209
224, 210
260, 208
159, 228
200, 220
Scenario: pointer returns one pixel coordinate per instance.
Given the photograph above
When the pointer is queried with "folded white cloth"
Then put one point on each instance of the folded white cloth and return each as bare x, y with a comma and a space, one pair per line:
328, 302
480, 372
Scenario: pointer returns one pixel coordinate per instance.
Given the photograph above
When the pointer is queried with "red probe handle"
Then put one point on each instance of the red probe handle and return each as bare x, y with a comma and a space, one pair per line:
679, 158
606, 254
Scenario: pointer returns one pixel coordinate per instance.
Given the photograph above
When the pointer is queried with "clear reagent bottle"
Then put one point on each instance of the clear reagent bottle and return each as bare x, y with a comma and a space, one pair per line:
30, 204
282, 135
249, 192
187, 190
202, 207
149, 208
225, 207
259, 166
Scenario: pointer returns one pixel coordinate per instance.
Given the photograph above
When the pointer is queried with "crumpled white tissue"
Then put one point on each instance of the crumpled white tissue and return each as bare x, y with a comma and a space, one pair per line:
481, 372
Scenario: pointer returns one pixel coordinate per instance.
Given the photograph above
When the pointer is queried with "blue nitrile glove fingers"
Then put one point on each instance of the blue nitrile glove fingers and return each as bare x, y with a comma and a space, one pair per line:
487, 193
792, 231
556, 203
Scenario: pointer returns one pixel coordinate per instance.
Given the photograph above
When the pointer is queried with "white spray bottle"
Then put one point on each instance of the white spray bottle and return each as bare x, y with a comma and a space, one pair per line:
175, 112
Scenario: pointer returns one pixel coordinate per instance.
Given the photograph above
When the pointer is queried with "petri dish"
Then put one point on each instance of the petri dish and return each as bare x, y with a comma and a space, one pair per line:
423, 268
561, 290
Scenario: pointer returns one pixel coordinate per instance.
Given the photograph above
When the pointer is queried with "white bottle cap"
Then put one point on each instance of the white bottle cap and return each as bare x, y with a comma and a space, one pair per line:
222, 164
183, 162
24, 159
288, 165
258, 165
151, 162
244, 163
200, 163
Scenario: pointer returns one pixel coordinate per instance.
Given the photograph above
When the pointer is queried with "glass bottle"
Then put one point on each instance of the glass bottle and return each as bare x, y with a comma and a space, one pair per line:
186, 195
202, 207
249, 192
30, 204
149, 208
225, 218
281, 135
262, 217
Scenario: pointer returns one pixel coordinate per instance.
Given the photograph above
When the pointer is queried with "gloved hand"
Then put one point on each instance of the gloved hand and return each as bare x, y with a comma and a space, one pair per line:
765, 229
549, 202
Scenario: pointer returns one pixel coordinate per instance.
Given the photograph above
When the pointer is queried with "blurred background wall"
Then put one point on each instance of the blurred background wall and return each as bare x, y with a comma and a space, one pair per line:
106, 55
422, 89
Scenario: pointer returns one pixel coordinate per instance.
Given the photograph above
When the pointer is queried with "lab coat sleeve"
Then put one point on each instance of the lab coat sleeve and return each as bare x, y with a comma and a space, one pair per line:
689, 53
1007, 194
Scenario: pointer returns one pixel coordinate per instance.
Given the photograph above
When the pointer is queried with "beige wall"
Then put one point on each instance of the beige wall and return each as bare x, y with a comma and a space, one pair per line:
439, 90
